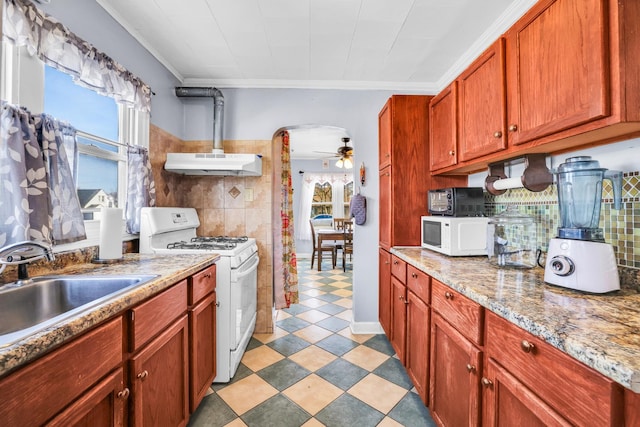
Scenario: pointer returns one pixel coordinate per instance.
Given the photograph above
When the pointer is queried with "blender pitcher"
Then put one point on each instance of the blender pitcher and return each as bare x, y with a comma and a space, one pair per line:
579, 195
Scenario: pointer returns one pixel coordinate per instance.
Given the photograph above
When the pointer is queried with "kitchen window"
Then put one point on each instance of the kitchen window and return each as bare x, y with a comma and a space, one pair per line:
103, 127
322, 202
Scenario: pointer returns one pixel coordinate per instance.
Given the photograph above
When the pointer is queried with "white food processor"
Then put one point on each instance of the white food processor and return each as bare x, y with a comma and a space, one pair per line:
579, 258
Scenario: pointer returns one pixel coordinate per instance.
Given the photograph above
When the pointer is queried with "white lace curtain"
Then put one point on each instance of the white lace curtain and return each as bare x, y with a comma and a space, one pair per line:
309, 181
26, 25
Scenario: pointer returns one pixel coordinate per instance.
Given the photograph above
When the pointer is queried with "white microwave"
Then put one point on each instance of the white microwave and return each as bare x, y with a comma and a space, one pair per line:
455, 236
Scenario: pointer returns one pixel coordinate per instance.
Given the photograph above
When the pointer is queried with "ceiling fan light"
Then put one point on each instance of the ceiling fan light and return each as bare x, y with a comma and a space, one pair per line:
339, 163
348, 164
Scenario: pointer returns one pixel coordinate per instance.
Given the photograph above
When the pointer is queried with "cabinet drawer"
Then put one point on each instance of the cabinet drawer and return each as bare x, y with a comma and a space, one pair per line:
202, 284
37, 392
153, 316
579, 393
399, 268
463, 314
419, 283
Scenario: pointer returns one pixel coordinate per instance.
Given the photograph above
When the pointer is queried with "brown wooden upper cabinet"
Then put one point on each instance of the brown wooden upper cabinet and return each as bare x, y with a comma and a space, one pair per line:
558, 68
443, 135
482, 105
563, 76
384, 138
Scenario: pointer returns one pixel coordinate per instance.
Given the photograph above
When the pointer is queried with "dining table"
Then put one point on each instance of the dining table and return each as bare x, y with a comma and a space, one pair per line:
330, 234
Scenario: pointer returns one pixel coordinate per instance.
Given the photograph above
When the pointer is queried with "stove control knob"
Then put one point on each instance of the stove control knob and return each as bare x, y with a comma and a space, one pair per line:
562, 266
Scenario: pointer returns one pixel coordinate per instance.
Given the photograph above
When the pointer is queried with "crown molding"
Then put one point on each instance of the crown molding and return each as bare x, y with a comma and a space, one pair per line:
426, 88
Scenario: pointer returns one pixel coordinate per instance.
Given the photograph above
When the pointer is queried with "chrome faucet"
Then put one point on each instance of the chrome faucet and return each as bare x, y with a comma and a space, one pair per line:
23, 253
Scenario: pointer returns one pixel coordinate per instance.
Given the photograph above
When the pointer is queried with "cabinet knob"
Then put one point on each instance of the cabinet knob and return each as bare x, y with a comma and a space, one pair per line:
470, 368
217, 303
497, 134
208, 275
448, 295
124, 394
414, 275
526, 346
387, 155
142, 375
487, 382
386, 262
513, 128
451, 152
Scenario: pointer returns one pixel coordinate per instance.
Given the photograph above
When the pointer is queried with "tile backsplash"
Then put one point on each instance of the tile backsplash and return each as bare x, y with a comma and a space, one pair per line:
621, 228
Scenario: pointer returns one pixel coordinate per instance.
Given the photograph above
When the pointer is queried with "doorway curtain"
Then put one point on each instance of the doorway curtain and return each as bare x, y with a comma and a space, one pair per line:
285, 266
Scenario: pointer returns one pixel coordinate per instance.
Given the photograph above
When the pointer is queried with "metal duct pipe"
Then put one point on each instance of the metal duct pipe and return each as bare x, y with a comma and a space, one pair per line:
218, 110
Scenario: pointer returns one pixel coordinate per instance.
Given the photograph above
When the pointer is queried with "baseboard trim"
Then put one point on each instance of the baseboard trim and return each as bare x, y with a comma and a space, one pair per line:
366, 328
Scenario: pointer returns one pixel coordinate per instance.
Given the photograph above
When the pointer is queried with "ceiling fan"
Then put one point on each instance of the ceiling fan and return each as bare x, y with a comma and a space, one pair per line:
344, 154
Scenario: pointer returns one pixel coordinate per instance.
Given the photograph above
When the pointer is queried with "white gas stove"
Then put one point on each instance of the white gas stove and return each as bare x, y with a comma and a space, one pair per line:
173, 230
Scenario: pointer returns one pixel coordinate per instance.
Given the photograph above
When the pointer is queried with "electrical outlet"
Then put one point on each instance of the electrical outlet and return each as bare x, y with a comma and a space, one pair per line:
248, 194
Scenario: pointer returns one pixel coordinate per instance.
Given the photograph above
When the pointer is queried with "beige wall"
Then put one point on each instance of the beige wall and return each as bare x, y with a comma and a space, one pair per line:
220, 213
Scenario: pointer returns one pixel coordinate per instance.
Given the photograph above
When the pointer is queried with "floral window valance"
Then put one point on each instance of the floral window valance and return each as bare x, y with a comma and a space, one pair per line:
26, 25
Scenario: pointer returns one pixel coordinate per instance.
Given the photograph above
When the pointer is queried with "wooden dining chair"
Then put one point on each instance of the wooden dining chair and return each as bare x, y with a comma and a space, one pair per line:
347, 247
325, 247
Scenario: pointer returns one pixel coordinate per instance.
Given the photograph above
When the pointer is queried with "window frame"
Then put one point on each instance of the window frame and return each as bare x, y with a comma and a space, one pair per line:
133, 126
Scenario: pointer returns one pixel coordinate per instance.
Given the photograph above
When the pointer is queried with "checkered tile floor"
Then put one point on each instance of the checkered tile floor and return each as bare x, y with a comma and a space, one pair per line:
312, 371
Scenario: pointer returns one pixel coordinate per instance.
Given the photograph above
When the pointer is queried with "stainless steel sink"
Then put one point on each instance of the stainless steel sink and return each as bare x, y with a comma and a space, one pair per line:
47, 300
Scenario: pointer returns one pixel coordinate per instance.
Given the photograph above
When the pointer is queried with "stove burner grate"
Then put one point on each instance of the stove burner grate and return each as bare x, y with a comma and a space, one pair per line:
204, 246
220, 239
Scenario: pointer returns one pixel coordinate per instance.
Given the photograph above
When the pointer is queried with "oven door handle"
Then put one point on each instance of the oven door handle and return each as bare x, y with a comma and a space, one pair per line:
250, 269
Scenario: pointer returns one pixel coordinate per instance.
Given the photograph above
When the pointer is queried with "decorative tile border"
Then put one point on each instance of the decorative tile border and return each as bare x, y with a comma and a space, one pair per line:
621, 228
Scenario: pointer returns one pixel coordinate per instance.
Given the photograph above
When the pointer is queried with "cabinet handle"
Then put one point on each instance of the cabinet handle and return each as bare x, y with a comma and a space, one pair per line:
487, 382
513, 128
526, 346
451, 152
497, 134
124, 394
208, 275
470, 368
448, 295
386, 262
414, 275
387, 155
144, 374
395, 262
217, 303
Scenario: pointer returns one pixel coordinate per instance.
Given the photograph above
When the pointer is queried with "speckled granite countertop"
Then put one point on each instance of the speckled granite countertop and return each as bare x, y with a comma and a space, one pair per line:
169, 268
602, 331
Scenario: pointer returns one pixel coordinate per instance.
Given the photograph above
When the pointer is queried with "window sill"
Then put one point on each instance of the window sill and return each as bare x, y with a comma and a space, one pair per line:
93, 238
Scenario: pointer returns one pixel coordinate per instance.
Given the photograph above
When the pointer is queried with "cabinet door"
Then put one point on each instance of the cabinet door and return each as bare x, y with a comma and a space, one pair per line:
508, 402
159, 379
557, 68
482, 107
385, 208
398, 318
202, 349
34, 394
102, 406
454, 391
384, 291
443, 135
384, 136
418, 331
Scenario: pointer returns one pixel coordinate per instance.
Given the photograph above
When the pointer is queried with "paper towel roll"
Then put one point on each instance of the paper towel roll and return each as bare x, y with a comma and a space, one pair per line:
507, 183
110, 233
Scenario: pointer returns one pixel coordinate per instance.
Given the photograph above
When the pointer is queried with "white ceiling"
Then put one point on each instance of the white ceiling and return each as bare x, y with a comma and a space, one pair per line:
401, 45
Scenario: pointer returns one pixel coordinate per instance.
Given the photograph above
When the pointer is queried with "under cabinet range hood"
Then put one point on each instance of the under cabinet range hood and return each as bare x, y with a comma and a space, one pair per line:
217, 162
214, 164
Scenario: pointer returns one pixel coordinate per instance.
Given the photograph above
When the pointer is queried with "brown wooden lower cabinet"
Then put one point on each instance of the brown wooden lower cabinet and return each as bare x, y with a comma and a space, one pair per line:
456, 369
35, 393
384, 290
398, 318
578, 393
417, 356
202, 349
102, 406
86, 381
509, 402
159, 378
